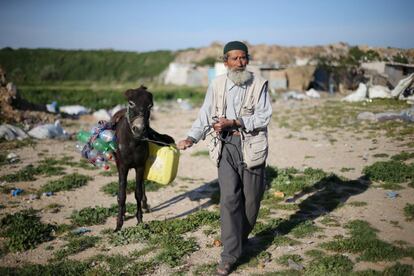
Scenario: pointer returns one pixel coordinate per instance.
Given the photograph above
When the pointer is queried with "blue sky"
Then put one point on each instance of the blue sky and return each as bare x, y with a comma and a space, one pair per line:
166, 24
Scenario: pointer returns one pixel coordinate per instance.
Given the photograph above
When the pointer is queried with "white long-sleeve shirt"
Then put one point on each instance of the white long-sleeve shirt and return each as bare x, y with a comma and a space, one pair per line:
234, 98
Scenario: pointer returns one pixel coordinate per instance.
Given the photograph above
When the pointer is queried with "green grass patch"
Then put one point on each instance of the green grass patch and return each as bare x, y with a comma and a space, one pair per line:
205, 269
391, 186
380, 155
344, 169
364, 241
283, 240
24, 230
329, 221
390, 171
283, 260
305, 229
403, 156
315, 253
399, 269
330, 265
46, 167
66, 183
167, 236
64, 267
409, 211
76, 245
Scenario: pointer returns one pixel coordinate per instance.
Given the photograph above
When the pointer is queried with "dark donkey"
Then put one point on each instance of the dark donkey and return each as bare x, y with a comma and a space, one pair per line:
132, 130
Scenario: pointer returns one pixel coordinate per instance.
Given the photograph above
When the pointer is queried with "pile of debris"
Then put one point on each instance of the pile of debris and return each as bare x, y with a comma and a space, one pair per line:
15, 109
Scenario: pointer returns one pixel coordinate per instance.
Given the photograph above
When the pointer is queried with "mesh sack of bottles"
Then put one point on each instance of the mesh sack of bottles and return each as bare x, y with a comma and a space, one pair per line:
97, 145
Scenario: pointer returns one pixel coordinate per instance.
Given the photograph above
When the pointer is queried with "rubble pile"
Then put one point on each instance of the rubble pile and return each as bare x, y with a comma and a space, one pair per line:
15, 109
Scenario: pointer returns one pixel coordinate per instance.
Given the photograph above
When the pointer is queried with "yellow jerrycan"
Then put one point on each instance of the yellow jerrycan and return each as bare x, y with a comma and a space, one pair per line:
162, 163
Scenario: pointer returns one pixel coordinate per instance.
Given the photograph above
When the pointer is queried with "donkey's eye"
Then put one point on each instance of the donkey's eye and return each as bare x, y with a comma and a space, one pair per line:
131, 104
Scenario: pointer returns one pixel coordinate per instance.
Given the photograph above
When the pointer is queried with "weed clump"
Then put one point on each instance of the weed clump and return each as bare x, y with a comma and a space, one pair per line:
409, 211
76, 245
66, 183
330, 265
364, 241
390, 171
24, 230
167, 235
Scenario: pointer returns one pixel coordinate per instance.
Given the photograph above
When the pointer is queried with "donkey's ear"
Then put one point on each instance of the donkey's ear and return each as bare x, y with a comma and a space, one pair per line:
128, 94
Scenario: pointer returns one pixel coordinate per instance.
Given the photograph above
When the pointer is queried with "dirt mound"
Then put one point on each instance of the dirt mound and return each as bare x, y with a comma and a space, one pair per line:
15, 109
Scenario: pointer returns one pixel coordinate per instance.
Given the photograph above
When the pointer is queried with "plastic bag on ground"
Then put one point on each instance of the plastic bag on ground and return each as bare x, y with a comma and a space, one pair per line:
102, 115
49, 131
10, 132
312, 93
294, 95
359, 95
74, 109
379, 92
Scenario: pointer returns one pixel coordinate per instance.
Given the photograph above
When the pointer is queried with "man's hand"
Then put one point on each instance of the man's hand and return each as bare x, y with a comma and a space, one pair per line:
223, 124
184, 144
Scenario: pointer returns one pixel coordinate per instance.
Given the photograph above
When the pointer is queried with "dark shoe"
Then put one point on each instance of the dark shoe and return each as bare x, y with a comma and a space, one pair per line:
224, 268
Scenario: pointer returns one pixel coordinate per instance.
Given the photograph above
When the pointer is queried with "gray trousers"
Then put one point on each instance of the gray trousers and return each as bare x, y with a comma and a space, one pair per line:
241, 191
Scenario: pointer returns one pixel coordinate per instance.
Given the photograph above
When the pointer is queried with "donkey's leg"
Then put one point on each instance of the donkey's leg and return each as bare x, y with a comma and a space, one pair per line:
144, 203
122, 174
139, 191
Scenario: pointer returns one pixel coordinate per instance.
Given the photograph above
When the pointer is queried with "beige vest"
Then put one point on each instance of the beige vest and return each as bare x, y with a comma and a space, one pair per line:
254, 144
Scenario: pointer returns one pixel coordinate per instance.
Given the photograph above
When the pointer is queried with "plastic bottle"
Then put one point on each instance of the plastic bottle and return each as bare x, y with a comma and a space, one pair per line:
109, 155
79, 146
102, 164
83, 136
107, 135
112, 145
100, 145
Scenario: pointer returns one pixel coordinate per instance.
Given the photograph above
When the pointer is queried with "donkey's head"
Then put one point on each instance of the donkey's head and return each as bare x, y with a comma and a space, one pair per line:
138, 111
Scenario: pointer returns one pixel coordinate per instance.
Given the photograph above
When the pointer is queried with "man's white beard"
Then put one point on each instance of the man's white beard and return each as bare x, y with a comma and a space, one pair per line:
239, 77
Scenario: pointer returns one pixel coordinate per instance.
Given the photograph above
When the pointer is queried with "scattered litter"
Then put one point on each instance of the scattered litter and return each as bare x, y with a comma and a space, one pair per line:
53, 107
294, 265
379, 92
12, 158
47, 194
81, 230
217, 243
10, 132
312, 93
74, 109
392, 194
294, 95
279, 194
49, 131
184, 104
102, 115
16, 192
406, 115
401, 86
359, 95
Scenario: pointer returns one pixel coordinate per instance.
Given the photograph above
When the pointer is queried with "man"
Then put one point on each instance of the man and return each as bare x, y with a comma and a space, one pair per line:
237, 105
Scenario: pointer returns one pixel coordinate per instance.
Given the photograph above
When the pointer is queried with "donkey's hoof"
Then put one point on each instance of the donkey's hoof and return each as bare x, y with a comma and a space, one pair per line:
147, 210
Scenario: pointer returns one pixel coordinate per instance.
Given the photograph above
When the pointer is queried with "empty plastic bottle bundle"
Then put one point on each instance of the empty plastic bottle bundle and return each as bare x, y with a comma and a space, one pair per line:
97, 145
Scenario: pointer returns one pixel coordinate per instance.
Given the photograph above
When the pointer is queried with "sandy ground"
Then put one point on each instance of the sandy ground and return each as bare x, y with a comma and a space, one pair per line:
287, 149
